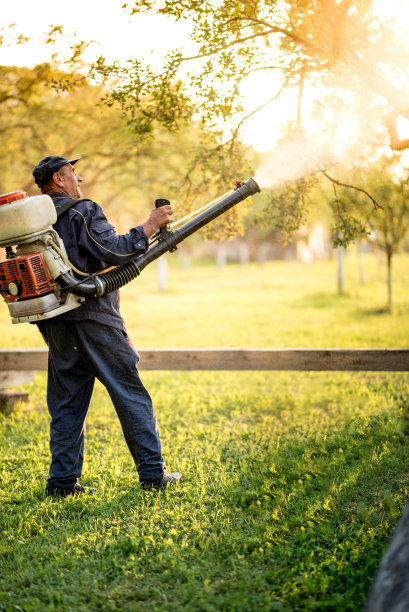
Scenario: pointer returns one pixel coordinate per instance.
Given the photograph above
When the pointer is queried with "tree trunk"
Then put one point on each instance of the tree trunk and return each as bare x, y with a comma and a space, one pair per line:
389, 278
390, 590
360, 264
162, 273
221, 255
340, 275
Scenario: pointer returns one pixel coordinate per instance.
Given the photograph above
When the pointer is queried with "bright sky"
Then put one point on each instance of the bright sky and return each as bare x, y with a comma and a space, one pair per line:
121, 37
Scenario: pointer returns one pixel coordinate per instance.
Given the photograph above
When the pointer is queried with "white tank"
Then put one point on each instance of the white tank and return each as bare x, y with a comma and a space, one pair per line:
21, 215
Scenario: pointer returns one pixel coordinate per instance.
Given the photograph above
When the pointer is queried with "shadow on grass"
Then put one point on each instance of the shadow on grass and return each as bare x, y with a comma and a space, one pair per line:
318, 516
374, 311
320, 300
305, 522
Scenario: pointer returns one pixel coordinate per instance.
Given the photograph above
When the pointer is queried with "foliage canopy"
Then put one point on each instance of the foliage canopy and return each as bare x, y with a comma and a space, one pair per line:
355, 64
339, 52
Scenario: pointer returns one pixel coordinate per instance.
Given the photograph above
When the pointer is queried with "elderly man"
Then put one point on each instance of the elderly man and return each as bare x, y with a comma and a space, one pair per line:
91, 341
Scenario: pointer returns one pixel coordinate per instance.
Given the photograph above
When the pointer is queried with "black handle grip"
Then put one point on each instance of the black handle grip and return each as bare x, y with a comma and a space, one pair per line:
161, 202
158, 203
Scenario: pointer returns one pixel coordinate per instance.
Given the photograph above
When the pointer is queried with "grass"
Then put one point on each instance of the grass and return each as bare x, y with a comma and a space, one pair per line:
294, 481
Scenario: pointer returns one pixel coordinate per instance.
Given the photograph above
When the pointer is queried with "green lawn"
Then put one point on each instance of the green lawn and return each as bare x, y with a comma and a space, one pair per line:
294, 481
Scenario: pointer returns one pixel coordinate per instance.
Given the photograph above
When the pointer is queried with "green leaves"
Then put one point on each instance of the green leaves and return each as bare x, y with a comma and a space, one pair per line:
149, 100
287, 209
347, 229
339, 46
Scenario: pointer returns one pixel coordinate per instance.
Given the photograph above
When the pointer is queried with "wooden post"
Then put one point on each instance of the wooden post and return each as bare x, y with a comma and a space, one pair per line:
9, 397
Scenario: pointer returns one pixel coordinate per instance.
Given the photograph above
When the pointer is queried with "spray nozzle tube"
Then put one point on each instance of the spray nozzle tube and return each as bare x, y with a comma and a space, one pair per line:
116, 278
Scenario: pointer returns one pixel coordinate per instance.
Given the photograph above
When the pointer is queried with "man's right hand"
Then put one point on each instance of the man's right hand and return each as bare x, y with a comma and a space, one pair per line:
159, 217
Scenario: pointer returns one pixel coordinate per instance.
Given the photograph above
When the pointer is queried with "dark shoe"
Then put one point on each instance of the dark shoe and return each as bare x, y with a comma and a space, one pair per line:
65, 491
167, 480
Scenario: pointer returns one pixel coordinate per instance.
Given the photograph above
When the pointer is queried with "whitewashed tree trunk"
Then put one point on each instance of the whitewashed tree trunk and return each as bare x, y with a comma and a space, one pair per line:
389, 278
162, 273
340, 269
360, 264
244, 253
185, 258
221, 255
262, 253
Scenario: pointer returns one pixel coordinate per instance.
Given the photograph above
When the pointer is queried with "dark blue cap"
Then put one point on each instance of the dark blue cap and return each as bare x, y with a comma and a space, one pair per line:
44, 170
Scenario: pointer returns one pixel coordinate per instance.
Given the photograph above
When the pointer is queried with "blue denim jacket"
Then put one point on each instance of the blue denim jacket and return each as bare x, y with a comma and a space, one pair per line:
92, 244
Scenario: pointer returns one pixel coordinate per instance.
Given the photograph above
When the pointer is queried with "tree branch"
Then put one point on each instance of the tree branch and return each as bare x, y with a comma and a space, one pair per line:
302, 80
395, 143
236, 131
335, 182
273, 30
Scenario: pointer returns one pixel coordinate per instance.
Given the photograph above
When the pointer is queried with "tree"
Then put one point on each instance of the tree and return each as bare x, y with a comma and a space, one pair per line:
58, 105
124, 174
357, 65
390, 224
337, 43
385, 225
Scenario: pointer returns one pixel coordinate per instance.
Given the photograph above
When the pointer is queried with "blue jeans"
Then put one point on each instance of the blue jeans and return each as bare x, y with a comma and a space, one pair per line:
79, 352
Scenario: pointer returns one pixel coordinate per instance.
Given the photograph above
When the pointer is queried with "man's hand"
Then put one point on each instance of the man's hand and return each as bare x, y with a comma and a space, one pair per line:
159, 217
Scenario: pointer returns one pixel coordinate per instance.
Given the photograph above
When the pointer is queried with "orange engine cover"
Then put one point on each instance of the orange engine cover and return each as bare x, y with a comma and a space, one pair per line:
28, 276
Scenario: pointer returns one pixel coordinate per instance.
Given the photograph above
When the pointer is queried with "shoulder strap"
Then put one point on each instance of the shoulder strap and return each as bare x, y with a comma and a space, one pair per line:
64, 207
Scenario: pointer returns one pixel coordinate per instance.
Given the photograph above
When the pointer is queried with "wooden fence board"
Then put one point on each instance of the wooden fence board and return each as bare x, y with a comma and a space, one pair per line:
301, 359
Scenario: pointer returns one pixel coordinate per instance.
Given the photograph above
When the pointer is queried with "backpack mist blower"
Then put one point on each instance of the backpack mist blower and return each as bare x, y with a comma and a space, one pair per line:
37, 280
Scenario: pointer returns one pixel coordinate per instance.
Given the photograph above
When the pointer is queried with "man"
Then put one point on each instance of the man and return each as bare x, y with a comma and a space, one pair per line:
91, 342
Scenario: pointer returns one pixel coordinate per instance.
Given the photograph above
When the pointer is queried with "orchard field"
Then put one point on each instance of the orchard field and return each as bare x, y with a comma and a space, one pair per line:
294, 480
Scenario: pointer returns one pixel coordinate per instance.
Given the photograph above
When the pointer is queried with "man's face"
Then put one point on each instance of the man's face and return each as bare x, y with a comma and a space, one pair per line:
70, 181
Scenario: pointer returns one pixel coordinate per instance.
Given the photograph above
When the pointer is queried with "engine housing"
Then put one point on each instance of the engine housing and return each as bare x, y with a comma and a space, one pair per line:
28, 276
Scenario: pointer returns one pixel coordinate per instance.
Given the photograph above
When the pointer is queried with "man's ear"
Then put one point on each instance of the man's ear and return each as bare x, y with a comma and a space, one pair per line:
58, 180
